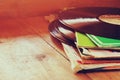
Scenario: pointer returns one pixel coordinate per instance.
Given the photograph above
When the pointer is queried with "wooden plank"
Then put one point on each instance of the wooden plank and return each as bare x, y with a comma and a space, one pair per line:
31, 58
108, 75
25, 55
24, 8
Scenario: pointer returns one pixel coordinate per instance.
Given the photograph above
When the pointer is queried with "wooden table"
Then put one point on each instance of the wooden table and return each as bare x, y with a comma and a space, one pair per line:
27, 52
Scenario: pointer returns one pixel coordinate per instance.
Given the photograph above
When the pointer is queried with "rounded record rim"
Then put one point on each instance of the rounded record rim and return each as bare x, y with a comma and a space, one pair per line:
91, 13
53, 29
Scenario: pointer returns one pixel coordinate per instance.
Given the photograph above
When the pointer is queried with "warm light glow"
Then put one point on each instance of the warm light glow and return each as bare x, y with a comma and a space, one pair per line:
18, 58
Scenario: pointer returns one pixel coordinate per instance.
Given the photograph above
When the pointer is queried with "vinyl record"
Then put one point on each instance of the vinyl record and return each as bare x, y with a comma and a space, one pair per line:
93, 20
54, 29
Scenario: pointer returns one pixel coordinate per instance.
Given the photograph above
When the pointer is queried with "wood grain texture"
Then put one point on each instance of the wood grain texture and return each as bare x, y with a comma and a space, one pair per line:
27, 8
25, 55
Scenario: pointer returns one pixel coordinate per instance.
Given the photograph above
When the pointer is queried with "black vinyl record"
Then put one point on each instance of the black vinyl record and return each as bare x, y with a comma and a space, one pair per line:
87, 20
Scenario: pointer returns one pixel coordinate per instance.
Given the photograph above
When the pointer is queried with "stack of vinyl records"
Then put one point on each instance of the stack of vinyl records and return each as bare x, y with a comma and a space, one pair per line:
90, 37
